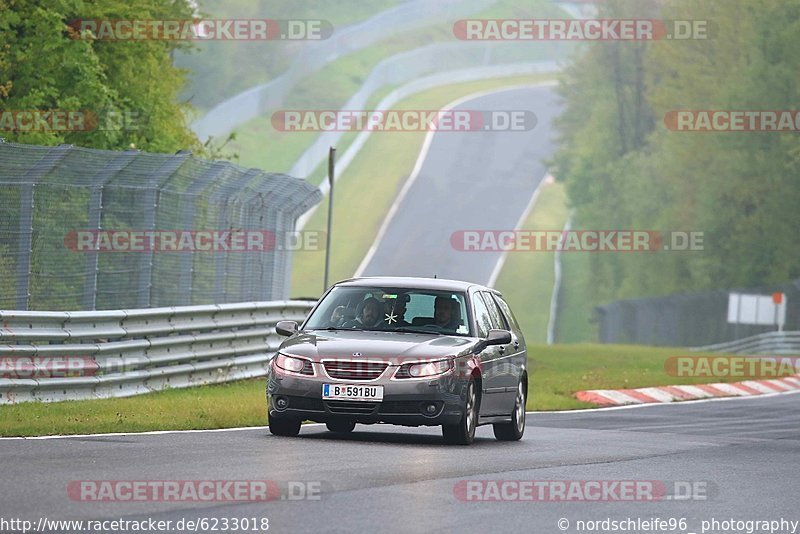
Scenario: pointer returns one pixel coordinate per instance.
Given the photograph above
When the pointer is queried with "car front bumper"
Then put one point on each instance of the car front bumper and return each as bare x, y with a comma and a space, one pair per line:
403, 400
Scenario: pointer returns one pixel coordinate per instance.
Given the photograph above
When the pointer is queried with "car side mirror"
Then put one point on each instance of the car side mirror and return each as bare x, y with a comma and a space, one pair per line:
286, 328
498, 337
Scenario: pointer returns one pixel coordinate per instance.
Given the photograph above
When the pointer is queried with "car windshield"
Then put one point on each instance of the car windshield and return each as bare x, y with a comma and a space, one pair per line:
388, 309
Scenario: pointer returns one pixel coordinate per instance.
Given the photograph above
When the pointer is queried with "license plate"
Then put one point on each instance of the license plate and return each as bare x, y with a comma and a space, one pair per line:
354, 392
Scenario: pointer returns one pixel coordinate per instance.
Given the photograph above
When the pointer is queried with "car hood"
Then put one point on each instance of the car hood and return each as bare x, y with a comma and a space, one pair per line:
395, 347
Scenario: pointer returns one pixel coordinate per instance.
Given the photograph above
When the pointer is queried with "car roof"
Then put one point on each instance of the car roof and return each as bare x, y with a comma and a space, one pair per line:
411, 282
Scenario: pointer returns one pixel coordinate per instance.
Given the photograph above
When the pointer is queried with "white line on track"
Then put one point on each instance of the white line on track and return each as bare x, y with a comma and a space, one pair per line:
558, 412
423, 154
501, 261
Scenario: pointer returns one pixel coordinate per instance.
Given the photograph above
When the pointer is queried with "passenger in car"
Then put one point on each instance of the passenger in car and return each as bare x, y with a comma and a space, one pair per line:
446, 313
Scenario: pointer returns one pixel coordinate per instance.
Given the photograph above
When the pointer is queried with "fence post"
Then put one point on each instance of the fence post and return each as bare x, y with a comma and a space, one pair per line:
188, 219
25, 246
152, 200
94, 219
26, 220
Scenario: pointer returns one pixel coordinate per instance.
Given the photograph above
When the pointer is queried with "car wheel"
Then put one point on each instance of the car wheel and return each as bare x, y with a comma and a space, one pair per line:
341, 426
514, 429
284, 427
463, 432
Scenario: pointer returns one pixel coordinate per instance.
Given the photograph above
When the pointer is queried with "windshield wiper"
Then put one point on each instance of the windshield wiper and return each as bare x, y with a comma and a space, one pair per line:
413, 331
343, 329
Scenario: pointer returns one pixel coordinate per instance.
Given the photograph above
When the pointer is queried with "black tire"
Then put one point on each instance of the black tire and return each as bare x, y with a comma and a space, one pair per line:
514, 429
341, 426
463, 432
284, 427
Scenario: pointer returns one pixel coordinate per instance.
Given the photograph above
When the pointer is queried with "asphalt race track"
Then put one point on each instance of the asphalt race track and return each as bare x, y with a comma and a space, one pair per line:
742, 452
481, 180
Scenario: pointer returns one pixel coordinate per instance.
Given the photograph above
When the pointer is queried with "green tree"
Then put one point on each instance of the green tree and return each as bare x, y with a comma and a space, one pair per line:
625, 169
130, 86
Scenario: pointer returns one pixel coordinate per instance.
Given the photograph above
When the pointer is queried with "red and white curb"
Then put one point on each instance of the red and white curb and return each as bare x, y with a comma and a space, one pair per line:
621, 397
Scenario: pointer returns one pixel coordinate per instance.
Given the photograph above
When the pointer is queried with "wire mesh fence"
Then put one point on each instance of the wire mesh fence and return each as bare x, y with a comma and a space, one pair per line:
84, 229
690, 320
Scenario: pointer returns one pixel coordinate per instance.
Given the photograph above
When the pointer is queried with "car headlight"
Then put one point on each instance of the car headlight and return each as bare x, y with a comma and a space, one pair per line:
293, 364
424, 369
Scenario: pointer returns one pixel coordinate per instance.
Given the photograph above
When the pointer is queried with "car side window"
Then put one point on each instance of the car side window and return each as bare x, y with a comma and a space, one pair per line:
482, 318
498, 321
506, 311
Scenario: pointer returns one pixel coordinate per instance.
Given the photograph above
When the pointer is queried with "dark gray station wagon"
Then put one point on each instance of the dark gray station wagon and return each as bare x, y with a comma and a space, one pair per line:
405, 351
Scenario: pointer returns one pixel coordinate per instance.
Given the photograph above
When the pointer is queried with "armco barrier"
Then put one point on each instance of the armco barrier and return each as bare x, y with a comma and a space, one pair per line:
769, 343
139, 351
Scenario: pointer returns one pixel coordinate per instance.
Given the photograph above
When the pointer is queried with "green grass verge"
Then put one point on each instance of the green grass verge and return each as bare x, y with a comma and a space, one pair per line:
574, 324
527, 278
369, 186
557, 372
219, 406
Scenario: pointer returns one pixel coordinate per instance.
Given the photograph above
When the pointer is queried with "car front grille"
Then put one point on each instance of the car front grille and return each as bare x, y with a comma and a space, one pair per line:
350, 370
351, 407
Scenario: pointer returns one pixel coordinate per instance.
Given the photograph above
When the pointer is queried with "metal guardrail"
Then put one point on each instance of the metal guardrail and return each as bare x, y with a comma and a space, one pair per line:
767, 344
130, 352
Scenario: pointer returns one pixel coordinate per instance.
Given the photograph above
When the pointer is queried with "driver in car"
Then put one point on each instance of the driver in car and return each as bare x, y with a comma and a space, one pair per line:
446, 313
369, 315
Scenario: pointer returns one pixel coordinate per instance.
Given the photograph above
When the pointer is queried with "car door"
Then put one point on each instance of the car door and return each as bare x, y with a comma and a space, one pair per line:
492, 388
507, 364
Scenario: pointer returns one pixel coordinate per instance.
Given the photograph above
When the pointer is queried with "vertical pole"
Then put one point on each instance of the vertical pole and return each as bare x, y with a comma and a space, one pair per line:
25, 246
331, 179
95, 217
